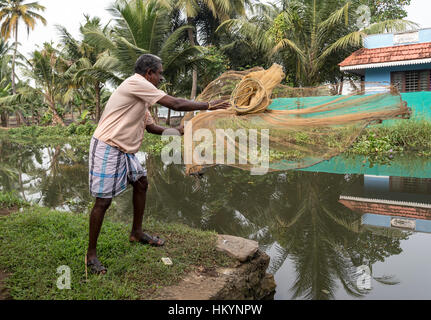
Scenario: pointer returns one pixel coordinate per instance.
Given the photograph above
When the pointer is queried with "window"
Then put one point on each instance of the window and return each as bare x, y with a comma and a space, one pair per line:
412, 81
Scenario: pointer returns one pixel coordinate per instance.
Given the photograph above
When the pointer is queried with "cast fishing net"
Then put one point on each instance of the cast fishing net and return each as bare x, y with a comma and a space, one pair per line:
303, 126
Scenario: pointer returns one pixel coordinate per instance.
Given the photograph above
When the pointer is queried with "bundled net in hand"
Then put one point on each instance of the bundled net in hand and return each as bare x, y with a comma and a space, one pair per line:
306, 125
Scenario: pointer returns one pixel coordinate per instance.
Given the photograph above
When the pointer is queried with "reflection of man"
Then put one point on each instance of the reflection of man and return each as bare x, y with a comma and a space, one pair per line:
112, 162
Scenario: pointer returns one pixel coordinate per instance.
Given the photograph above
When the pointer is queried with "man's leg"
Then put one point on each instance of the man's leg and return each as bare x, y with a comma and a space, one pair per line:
96, 220
140, 188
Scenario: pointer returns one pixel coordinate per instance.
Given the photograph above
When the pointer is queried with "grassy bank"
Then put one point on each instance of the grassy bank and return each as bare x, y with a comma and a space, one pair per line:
37, 241
76, 135
381, 143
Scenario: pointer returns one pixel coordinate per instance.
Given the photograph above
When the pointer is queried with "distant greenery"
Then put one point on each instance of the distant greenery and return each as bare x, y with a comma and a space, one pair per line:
10, 200
76, 135
196, 39
36, 242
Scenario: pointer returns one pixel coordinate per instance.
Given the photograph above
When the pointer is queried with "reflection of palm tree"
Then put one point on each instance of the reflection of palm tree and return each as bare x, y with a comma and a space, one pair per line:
321, 237
65, 178
15, 162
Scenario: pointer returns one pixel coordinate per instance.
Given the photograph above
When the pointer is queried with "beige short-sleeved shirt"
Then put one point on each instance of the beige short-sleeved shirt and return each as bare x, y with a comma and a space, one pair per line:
123, 122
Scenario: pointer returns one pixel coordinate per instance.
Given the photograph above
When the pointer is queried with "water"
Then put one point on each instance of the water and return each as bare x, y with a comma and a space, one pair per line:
317, 227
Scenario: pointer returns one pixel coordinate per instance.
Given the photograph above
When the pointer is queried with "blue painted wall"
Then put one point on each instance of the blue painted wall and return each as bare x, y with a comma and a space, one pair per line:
387, 39
379, 41
383, 75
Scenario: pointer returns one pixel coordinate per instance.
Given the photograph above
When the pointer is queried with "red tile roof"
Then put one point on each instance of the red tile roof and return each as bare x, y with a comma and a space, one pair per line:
387, 209
388, 54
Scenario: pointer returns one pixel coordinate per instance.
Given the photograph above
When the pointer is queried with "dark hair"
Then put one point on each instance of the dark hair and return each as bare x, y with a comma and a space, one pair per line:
147, 62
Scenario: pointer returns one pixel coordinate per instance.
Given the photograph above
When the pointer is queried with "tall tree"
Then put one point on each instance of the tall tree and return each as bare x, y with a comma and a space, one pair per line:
144, 27
5, 59
220, 9
308, 34
46, 68
92, 64
12, 12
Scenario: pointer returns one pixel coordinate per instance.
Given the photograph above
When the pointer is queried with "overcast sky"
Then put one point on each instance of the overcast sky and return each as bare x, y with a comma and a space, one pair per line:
71, 14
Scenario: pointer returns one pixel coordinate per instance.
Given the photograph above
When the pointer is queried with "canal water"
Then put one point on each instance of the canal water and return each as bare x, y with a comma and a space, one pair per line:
339, 230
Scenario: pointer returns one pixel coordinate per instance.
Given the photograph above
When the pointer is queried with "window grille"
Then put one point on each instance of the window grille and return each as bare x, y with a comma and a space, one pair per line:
412, 81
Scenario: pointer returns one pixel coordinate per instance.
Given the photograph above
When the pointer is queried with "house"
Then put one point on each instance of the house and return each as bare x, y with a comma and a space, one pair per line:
391, 202
400, 59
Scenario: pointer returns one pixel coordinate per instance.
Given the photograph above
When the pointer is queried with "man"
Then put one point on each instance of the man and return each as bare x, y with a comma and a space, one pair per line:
112, 162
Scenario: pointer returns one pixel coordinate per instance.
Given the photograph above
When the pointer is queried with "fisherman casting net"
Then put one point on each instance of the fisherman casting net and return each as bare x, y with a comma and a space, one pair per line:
303, 126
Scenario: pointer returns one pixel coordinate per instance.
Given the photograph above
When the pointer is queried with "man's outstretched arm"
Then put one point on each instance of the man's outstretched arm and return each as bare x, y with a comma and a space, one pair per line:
178, 104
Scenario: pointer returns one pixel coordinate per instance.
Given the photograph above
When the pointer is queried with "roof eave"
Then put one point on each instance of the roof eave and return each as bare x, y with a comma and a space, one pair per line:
358, 67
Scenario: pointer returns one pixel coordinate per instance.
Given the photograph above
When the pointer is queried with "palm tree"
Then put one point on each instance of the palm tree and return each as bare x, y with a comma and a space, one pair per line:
92, 64
220, 9
46, 68
309, 33
144, 27
5, 59
11, 14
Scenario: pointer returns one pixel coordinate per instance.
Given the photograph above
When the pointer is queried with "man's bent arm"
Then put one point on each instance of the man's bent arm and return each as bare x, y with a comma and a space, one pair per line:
158, 130
178, 104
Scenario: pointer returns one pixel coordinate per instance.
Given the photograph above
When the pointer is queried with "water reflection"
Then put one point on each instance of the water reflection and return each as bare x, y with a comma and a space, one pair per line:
298, 217
51, 176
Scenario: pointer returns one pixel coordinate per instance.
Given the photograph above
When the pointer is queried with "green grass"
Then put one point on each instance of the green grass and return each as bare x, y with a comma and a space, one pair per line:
76, 135
10, 200
37, 241
382, 143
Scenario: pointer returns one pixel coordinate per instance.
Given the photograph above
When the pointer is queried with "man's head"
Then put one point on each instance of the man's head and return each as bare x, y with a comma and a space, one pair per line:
150, 67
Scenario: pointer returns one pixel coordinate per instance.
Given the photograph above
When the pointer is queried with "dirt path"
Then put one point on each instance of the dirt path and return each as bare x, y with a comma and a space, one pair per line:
7, 211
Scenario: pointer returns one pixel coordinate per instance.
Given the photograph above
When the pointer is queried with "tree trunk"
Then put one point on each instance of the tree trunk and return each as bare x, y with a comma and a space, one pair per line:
97, 90
154, 112
168, 119
14, 59
71, 111
340, 92
195, 71
18, 114
363, 85
56, 119
4, 119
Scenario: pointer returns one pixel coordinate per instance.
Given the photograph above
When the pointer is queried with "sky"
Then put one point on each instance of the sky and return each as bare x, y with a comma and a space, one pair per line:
71, 15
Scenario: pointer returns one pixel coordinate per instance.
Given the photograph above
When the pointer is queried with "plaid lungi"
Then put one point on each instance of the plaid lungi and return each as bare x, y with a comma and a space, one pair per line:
111, 170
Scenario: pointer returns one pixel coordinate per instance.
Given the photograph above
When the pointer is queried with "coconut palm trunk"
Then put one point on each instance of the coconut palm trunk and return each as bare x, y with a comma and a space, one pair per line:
14, 59
4, 119
19, 116
195, 71
56, 119
98, 111
168, 119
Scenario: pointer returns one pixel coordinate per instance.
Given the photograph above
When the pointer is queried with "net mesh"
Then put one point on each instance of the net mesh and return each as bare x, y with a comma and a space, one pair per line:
303, 126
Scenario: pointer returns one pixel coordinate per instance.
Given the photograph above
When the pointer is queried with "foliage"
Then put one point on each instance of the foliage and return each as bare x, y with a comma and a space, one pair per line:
14, 12
10, 199
387, 9
382, 143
